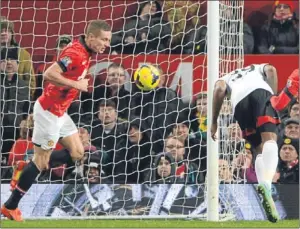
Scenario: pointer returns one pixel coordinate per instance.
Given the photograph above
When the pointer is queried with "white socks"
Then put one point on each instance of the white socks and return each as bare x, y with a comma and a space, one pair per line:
266, 163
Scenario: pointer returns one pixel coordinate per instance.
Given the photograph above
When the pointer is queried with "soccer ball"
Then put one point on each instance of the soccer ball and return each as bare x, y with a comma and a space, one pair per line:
147, 77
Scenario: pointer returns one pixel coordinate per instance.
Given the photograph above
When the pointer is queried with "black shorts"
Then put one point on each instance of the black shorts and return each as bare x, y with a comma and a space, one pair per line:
255, 115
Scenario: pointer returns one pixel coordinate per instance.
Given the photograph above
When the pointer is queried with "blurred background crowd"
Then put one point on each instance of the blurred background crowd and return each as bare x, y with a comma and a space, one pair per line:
132, 136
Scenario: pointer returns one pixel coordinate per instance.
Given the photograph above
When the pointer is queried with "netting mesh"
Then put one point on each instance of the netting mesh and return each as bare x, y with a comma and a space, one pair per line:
124, 131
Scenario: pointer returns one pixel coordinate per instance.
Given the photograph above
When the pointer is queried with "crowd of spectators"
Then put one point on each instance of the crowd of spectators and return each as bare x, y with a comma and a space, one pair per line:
145, 137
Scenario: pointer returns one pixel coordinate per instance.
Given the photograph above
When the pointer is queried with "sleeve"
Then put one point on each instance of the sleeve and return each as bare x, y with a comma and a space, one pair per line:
69, 59
261, 67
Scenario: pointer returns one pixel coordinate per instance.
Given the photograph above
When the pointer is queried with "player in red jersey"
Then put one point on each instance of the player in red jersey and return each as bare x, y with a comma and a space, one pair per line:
289, 94
51, 122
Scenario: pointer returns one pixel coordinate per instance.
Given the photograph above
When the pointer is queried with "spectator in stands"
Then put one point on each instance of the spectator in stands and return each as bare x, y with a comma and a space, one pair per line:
165, 170
25, 67
113, 89
61, 43
199, 116
225, 172
242, 163
106, 131
230, 22
291, 129
288, 167
133, 156
280, 34
14, 95
184, 22
146, 33
22, 144
187, 171
92, 169
294, 111
194, 151
159, 110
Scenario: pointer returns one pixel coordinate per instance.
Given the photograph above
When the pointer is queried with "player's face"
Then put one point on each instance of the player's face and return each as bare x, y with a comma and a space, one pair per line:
176, 148
135, 136
9, 66
116, 77
99, 43
164, 167
288, 153
107, 115
295, 114
292, 130
5, 36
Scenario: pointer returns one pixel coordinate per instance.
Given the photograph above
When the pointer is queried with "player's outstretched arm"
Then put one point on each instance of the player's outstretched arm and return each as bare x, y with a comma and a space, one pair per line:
271, 77
218, 98
54, 75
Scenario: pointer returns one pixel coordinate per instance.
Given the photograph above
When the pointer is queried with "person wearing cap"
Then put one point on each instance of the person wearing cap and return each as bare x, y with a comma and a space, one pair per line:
25, 68
61, 42
193, 149
291, 129
14, 94
280, 35
288, 167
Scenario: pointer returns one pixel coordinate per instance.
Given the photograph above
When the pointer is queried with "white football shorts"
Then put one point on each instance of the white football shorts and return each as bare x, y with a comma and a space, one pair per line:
48, 128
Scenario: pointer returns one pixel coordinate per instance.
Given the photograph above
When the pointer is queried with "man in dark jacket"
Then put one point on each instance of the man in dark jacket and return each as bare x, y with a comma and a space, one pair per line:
15, 97
145, 33
113, 89
133, 154
159, 110
106, 132
280, 35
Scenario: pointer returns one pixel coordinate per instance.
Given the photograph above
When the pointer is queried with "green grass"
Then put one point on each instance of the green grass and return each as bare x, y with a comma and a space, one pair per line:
147, 224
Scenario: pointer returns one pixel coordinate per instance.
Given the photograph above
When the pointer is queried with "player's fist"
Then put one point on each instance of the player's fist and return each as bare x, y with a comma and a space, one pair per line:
82, 85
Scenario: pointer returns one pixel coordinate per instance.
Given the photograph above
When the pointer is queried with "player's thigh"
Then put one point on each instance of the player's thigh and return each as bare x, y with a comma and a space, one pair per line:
69, 138
46, 128
267, 119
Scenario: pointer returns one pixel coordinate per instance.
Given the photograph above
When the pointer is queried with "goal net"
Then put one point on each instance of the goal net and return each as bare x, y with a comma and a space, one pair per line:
151, 162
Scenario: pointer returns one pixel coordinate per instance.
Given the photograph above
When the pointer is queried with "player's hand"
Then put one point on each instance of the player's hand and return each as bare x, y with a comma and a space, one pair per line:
213, 131
82, 85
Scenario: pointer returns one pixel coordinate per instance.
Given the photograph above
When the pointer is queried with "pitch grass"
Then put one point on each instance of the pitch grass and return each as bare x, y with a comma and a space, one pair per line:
147, 224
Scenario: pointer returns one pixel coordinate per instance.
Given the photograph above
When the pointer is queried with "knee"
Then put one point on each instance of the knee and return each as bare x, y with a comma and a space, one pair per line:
41, 160
77, 153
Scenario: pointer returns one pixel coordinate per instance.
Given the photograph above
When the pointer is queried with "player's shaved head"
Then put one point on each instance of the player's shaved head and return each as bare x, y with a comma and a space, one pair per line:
96, 26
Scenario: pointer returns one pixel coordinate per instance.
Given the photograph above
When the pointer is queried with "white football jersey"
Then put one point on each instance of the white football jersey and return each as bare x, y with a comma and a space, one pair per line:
243, 81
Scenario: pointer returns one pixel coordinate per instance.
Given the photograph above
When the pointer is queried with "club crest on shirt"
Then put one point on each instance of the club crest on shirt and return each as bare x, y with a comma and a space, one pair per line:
66, 61
50, 143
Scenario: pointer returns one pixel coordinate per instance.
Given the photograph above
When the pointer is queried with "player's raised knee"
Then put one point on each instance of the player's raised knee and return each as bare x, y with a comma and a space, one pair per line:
77, 153
41, 160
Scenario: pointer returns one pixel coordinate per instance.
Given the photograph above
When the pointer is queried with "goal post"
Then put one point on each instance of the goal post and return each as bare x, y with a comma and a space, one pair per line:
213, 38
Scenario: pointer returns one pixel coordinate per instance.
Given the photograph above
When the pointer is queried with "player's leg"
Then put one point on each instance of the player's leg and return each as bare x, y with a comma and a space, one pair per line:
71, 141
45, 136
266, 163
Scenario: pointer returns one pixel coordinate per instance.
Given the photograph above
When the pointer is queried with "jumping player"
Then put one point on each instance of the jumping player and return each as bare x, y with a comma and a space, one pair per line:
250, 89
51, 122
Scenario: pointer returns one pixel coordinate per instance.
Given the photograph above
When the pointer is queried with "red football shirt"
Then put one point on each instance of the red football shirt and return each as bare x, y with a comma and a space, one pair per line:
74, 60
